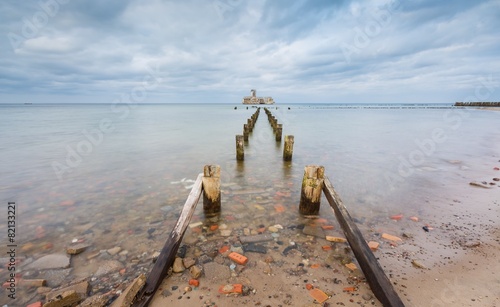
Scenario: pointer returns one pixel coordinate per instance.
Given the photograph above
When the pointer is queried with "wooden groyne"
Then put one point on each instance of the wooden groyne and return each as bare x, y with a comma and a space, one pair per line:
314, 181
477, 104
208, 184
278, 132
241, 139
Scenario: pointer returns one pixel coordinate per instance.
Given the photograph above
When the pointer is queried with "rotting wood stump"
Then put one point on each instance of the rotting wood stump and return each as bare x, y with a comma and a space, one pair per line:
312, 185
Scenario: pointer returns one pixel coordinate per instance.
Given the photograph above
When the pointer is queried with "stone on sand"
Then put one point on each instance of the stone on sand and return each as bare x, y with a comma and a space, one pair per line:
53, 261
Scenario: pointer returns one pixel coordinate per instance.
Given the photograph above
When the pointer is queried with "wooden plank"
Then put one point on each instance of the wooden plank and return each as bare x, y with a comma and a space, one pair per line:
169, 251
378, 281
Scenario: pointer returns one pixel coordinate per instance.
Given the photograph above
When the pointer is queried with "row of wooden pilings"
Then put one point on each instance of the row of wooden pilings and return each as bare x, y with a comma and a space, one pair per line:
313, 183
277, 129
241, 139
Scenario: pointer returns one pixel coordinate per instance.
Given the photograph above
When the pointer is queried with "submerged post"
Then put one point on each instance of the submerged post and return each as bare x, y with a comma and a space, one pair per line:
211, 189
279, 131
288, 148
312, 185
250, 125
240, 153
245, 132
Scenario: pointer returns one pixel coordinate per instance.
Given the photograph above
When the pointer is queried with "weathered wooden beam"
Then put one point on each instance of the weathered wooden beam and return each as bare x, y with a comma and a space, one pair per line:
169, 250
288, 148
211, 189
310, 194
378, 281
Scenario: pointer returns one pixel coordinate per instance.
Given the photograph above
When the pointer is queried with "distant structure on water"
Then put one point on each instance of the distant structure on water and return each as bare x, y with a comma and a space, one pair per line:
253, 99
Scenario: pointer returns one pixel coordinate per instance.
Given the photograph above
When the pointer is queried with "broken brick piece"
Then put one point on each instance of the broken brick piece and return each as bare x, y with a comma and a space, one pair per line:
194, 282
223, 249
239, 259
228, 289
373, 245
336, 239
390, 237
396, 217
351, 266
318, 295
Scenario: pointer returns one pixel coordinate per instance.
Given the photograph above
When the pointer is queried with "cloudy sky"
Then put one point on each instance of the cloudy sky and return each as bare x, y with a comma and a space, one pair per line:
217, 50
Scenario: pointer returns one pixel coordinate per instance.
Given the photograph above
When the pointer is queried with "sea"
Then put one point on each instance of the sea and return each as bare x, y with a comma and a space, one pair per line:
117, 174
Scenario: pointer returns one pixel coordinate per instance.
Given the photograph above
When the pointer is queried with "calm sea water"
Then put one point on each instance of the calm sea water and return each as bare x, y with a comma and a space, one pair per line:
87, 163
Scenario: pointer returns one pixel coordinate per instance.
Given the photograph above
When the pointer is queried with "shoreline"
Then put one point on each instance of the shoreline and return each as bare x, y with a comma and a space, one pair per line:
455, 262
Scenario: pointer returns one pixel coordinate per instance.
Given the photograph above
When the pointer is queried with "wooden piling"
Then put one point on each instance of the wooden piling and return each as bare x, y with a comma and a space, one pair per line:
211, 189
250, 125
312, 185
288, 148
169, 251
374, 274
279, 131
240, 153
246, 132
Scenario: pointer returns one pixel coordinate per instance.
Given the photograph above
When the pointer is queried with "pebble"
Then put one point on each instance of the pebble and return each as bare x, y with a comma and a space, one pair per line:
108, 267
115, 250
272, 229
76, 248
178, 266
367, 296
225, 232
314, 231
53, 261
195, 271
256, 238
188, 262
255, 248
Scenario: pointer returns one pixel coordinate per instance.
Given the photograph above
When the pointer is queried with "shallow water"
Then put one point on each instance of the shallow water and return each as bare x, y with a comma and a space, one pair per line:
115, 172
371, 155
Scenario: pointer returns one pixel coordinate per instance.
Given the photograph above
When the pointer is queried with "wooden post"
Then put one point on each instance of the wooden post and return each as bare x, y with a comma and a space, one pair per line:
245, 132
378, 281
249, 123
169, 251
288, 148
279, 131
240, 153
312, 184
211, 189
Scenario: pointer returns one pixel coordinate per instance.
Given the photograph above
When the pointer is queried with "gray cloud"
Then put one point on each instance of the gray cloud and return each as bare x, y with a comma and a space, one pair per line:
327, 51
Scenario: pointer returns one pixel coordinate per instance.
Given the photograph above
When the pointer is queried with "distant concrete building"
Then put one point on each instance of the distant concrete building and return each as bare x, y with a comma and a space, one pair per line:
253, 99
